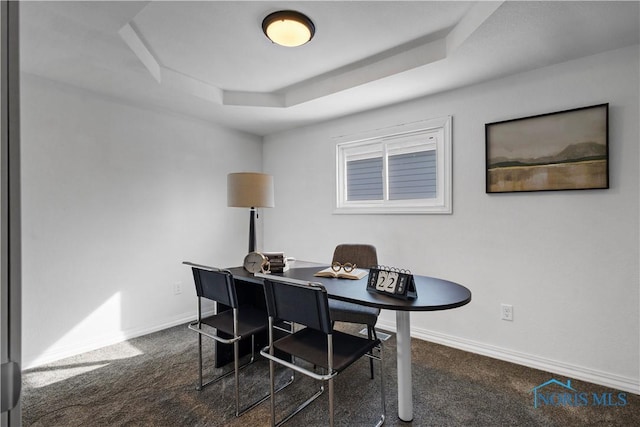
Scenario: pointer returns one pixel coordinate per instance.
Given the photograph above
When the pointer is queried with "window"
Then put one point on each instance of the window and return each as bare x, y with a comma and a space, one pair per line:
405, 169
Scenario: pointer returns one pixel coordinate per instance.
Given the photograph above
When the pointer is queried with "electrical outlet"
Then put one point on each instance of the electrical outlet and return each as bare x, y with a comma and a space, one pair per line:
177, 288
506, 311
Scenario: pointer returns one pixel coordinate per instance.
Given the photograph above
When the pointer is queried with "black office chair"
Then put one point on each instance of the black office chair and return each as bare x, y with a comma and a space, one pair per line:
318, 344
363, 256
226, 327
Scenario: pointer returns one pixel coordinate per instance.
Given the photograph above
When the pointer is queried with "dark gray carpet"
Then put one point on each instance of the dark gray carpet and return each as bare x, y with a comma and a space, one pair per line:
150, 381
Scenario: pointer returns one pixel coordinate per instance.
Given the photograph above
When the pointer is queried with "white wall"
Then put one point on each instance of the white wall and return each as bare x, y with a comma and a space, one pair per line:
114, 198
567, 261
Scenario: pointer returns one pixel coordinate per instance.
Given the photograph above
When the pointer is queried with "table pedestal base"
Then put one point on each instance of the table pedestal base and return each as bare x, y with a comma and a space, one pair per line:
405, 392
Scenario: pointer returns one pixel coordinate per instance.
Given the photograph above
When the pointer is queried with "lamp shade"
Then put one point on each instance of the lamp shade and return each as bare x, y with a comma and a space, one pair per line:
250, 190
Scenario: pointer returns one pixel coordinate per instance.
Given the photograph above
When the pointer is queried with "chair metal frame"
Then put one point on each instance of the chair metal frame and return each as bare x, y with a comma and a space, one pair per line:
325, 328
234, 339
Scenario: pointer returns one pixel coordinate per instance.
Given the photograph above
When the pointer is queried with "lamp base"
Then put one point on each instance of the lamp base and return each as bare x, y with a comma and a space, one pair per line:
252, 230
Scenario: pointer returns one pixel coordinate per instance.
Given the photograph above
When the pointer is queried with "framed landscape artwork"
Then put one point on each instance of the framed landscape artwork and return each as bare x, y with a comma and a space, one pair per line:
565, 150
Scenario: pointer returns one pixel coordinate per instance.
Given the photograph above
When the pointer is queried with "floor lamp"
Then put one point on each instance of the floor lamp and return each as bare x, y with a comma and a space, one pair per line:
250, 190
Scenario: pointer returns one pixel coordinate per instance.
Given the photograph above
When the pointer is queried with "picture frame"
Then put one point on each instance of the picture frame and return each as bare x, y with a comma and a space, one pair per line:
563, 150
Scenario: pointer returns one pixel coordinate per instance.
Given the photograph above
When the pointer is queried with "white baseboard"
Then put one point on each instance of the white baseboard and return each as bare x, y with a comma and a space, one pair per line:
561, 368
606, 379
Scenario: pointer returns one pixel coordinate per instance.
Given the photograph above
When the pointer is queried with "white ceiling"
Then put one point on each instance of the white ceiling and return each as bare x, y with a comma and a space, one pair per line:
210, 59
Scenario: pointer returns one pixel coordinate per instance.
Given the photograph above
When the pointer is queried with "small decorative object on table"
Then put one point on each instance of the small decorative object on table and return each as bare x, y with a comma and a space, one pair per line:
342, 271
392, 281
277, 261
256, 262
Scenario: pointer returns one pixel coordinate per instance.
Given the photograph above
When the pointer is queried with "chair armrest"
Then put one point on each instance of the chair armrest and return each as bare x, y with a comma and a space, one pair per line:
265, 353
193, 327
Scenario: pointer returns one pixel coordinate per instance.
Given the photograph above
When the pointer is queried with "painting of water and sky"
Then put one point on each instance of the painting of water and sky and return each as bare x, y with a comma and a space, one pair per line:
567, 150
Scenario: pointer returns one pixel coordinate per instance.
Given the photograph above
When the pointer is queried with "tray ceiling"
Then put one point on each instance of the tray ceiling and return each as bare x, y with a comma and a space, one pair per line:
210, 60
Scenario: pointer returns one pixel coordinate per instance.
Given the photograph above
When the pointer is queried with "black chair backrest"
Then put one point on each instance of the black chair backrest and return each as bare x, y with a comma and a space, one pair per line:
303, 304
216, 285
364, 256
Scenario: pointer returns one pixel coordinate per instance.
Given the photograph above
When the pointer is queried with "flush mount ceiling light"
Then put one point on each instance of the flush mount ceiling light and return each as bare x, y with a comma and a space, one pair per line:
288, 28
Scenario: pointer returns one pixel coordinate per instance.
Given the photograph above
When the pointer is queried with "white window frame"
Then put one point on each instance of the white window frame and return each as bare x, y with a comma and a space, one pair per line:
397, 140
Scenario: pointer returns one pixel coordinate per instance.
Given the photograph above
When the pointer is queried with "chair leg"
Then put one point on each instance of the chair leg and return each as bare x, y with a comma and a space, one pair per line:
383, 416
299, 408
272, 380
236, 368
199, 386
262, 399
331, 408
371, 333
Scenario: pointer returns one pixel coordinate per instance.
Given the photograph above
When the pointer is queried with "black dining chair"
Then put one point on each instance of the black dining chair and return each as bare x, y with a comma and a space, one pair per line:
226, 327
363, 256
324, 348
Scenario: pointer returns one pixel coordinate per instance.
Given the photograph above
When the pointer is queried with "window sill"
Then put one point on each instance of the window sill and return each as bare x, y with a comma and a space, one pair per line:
394, 210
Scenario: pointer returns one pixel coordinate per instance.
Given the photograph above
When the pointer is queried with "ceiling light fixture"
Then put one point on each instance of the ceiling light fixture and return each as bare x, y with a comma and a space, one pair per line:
288, 28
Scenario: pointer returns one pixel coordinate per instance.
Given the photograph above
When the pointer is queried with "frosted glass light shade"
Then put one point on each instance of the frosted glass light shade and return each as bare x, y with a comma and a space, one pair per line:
250, 190
288, 28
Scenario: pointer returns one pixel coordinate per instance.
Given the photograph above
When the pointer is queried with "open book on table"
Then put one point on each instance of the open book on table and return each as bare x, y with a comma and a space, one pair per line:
354, 274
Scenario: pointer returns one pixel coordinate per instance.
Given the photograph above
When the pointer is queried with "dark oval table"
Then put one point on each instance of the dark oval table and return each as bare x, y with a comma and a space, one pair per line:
432, 294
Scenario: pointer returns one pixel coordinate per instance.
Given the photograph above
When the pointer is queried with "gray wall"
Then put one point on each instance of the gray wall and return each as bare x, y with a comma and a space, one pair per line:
115, 197
567, 261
